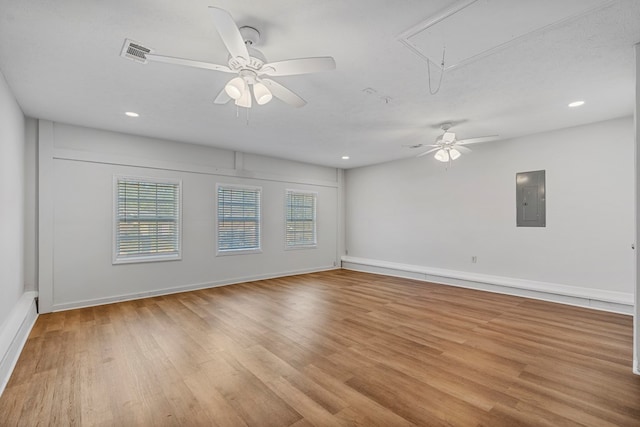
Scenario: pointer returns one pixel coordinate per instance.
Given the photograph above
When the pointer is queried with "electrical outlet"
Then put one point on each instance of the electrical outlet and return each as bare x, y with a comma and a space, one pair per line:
474, 259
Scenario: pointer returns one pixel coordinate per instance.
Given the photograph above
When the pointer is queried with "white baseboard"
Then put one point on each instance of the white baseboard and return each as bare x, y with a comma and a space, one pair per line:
178, 289
617, 302
14, 334
636, 368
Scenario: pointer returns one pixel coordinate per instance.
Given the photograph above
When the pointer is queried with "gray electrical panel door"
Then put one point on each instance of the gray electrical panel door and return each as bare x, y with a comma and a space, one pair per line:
530, 199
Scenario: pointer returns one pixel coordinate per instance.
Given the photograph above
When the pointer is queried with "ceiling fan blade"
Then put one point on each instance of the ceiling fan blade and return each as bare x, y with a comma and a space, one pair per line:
222, 97
429, 151
462, 149
283, 93
229, 33
299, 66
477, 140
449, 137
245, 99
188, 63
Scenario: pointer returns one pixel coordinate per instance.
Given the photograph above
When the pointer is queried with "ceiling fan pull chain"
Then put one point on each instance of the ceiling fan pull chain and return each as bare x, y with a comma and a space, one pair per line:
431, 91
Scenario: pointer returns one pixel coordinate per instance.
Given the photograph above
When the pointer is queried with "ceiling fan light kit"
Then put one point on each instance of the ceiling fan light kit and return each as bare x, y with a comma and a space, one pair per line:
261, 93
236, 87
245, 99
254, 73
447, 147
442, 155
447, 154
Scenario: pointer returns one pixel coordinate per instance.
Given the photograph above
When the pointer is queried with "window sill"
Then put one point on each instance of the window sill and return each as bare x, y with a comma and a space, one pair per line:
238, 252
147, 258
298, 247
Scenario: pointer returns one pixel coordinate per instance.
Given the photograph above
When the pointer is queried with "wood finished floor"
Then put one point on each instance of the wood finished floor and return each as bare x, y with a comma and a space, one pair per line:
327, 349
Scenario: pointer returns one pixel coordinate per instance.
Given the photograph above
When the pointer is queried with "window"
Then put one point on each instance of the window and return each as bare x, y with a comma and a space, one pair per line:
300, 227
147, 220
238, 219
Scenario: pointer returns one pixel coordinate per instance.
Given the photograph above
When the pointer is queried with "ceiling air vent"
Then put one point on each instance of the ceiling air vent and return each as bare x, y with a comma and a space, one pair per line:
134, 51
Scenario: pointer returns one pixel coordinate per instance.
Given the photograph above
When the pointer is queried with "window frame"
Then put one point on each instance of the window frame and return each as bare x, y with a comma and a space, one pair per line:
131, 259
313, 245
241, 251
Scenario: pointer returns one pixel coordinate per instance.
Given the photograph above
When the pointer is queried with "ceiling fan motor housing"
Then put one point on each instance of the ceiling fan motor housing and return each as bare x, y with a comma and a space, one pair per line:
255, 62
249, 76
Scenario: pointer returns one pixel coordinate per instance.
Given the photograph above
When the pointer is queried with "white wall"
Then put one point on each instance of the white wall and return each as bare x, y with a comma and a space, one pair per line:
12, 146
77, 166
17, 304
416, 212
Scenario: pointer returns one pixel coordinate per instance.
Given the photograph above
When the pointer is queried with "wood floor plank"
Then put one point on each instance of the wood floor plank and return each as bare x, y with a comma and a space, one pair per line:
334, 348
419, 403
362, 409
453, 382
251, 398
312, 412
586, 412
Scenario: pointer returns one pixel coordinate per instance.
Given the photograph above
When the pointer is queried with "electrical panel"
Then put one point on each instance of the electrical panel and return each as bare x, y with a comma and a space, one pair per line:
530, 199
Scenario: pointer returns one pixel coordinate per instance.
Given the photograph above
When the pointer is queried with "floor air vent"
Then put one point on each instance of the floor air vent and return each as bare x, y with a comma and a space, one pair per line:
134, 51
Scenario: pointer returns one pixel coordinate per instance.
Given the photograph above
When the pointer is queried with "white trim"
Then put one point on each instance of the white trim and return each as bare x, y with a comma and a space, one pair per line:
123, 160
341, 217
232, 252
618, 302
636, 367
178, 289
14, 334
46, 192
238, 160
115, 259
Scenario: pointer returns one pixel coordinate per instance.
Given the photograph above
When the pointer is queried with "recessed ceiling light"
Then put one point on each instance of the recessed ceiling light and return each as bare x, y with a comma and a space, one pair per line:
345, 157
576, 104
132, 114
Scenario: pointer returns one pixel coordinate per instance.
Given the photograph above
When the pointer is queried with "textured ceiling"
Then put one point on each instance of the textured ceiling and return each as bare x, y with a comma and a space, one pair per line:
61, 59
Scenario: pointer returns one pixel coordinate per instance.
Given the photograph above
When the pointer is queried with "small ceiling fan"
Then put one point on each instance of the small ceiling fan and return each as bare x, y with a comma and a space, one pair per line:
252, 69
447, 147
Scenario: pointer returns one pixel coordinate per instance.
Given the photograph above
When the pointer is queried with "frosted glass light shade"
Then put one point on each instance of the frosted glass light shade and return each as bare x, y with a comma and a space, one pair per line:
236, 87
245, 99
262, 93
442, 155
454, 153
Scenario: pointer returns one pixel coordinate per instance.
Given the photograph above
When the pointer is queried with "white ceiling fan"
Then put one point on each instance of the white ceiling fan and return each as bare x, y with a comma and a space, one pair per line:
447, 147
252, 69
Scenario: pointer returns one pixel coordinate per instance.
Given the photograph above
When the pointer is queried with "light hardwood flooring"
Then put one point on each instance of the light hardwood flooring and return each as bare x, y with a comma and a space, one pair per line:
327, 349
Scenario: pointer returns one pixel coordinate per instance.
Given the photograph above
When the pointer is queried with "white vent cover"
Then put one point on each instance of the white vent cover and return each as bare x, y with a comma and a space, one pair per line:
473, 29
134, 51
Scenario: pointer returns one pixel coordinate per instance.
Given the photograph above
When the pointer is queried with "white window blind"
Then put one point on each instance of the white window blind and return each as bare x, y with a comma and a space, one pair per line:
238, 219
147, 224
300, 227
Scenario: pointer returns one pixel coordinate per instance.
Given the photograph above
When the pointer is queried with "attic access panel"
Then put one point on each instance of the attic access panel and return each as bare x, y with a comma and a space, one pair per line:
531, 199
473, 29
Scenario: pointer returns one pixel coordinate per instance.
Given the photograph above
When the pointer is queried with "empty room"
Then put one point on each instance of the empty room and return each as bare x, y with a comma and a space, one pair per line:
319, 213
